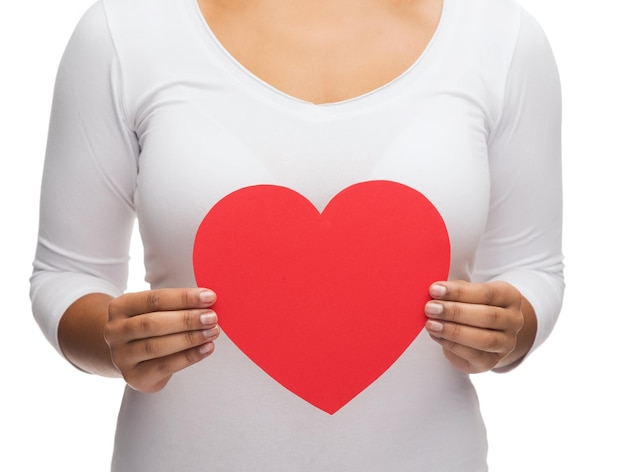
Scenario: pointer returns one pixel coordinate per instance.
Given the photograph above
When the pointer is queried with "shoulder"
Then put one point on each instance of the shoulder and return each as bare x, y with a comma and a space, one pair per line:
501, 23
485, 20
492, 32
144, 21
481, 41
155, 41
489, 11
89, 52
481, 32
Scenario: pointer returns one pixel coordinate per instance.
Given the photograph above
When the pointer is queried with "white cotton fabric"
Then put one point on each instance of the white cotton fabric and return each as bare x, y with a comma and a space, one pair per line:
153, 119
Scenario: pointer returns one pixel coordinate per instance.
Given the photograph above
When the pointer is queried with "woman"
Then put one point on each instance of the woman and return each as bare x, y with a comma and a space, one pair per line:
162, 108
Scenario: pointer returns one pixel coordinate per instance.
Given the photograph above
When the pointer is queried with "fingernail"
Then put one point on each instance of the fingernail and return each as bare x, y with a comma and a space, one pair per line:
437, 290
434, 326
434, 309
208, 318
207, 296
206, 348
210, 333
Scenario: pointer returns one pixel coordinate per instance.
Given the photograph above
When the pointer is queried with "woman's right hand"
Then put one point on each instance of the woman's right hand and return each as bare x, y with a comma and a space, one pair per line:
153, 334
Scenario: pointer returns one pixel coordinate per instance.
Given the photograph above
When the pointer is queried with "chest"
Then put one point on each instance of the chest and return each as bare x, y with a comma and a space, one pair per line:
213, 125
324, 52
195, 151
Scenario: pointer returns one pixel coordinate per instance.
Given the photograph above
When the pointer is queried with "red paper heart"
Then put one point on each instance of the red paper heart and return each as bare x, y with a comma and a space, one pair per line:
324, 304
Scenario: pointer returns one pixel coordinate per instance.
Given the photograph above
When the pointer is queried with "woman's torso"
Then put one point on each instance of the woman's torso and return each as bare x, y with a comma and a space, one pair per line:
206, 125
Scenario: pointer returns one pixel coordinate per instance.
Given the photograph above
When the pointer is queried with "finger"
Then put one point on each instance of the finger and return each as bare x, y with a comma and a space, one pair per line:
486, 340
480, 316
169, 299
122, 331
152, 375
468, 360
163, 323
164, 346
492, 293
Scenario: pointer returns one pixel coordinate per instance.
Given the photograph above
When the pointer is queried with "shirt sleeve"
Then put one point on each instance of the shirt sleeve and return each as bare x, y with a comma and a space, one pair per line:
86, 208
522, 240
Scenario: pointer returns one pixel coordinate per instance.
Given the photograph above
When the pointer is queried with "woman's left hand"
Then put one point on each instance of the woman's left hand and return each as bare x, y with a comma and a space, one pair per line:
477, 324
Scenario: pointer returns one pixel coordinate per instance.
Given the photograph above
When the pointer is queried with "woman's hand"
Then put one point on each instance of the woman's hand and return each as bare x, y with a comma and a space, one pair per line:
480, 325
153, 334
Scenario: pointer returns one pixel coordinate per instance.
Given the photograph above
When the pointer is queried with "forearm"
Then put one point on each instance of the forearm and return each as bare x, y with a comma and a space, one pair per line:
525, 337
81, 335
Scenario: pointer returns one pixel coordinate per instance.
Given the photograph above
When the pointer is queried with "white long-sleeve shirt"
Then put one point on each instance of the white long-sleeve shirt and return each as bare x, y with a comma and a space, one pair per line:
153, 119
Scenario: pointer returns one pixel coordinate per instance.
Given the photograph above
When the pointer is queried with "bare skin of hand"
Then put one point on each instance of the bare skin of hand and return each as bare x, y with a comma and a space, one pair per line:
480, 326
156, 333
144, 337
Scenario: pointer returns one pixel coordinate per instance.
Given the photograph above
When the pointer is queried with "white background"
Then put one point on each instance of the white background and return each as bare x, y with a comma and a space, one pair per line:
562, 410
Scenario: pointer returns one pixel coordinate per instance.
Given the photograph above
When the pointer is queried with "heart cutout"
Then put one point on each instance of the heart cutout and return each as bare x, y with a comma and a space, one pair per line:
323, 303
